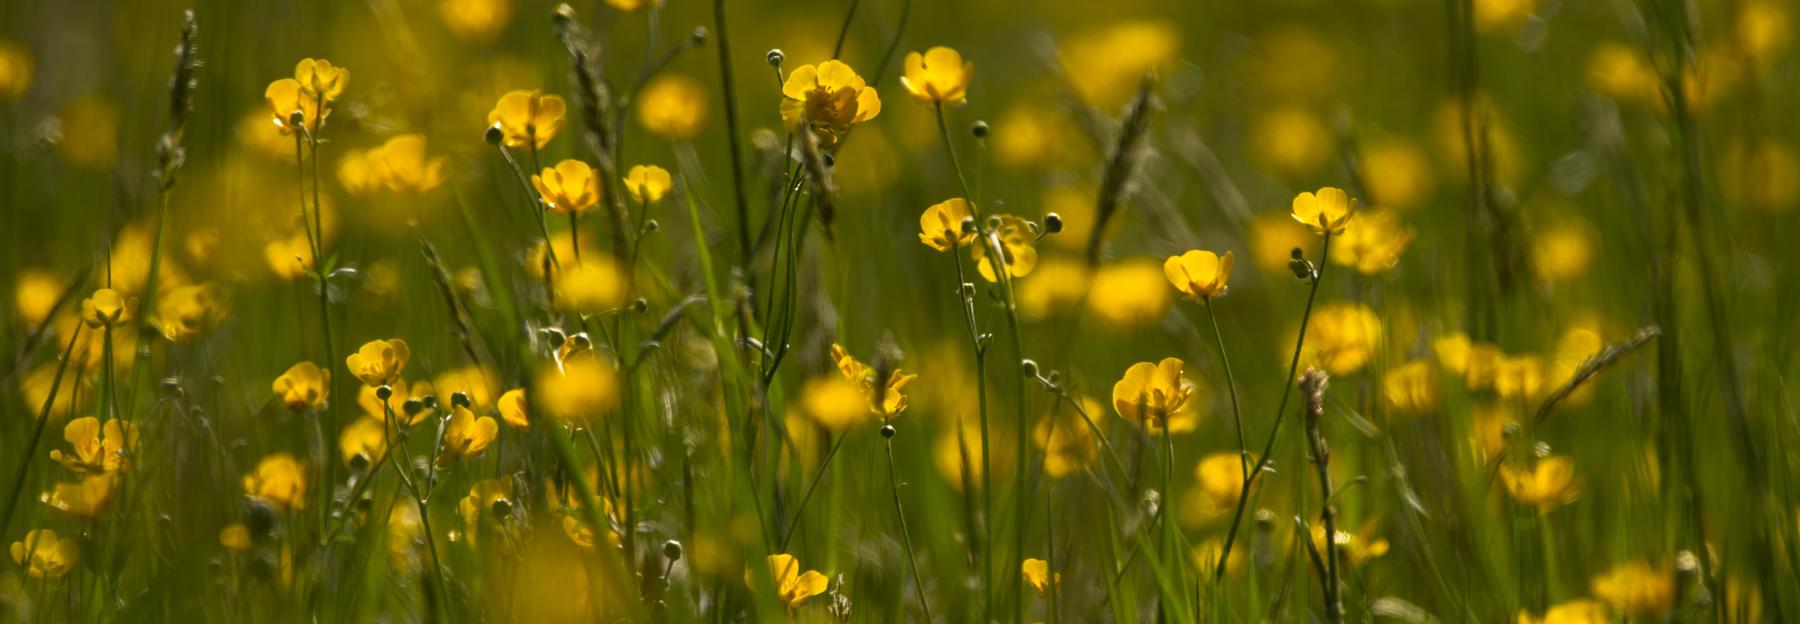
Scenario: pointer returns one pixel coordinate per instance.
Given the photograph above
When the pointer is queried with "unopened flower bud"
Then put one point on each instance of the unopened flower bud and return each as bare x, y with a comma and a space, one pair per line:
776, 57
412, 407
1028, 367
502, 509
384, 392
699, 36
1053, 223
459, 399
640, 304
494, 134
887, 432
980, 129
672, 550
297, 118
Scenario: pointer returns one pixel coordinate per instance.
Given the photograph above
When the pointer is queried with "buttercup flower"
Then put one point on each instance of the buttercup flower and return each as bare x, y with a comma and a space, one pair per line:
830, 97
1342, 337
792, 586
278, 480
1549, 484
1221, 477
186, 311
378, 362
15, 70
940, 75
403, 531
483, 499
35, 295
1155, 396
319, 78
1199, 274
1128, 293
593, 286
475, 21
1038, 576
285, 97
941, 225
365, 439
466, 436
1637, 589
235, 537
528, 118
1353, 550
107, 308
513, 409
1066, 440
1411, 388
400, 164
1373, 243
98, 450
1018, 241
303, 386
1326, 211
374, 409
585, 387
44, 555
87, 497
571, 187
833, 402
647, 183
891, 400
672, 106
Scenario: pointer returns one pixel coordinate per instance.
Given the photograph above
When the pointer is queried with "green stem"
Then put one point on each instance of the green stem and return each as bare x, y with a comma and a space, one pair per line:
1237, 416
905, 533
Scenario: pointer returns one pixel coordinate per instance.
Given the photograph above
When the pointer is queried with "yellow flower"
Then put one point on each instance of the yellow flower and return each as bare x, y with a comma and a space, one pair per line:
648, 183
289, 257
1762, 30
673, 107
186, 311
285, 97
630, 5
479, 383
1547, 485
833, 402
35, 295
1373, 243
1411, 388
941, 225
475, 21
595, 285
98, 450
487, 498
1221, 477
1561, 253
279, 480
1018, 243
1155, 396
1060, 285
1199, 274
403, 530
1342, 338
1273, 240
466, 435
1497, 16
571, 187
1128, 293
318, 77
44, 556
1519, 377
957, 454
1068, 444
1030, 136
792, 586
1572, 612
378, 362
15, 70
1621, 72
364, 438
87, 497
235, 537
400, 164
1637, 589
864, 377
829, 97
1037, 574
1397, 173
1105, 66
1293, 140
1327, 211
107, 308
373, 408
584, 388
940, 75
513, 409
528, 117
1353, 550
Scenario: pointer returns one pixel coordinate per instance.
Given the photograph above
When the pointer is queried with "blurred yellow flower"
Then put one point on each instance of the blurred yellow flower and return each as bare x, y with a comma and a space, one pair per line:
475, 21
1561, 253
829, 97
1037, 574
514, 410
235, 537
1549, 484
15, 70
1572, 612
1343, 337
1762, 29
1623, 73
1519, 377
1292, 140
1353, 550
864, 377
1030, 135
941, 225
45, 556
1373, 243
527, 118
792, 586
1105, 65
185, 311
1221, 477
1199, 274
378, 362
1273, 239
279, 480
648, 183
1636, 589
87, 498
1397, 173
465, 435
1018, 243
487, 499
1411, 388
1128, 293
940, 75
672, 106
630, 5
90, 133
1500, 16
1327, 211
255, 132
289, 257
98, 450
364, 439
585, 388
1061, 284
401, 165
571, 187
1155, 396
595, 285
35, 295
833, 402
404, 526
1067, 442
286, 97
1762, 173
319, 78
957, 454
106, 308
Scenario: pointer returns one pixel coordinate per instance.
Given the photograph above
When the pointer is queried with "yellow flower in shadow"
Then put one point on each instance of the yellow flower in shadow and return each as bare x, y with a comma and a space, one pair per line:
404, 528
1155, 396
279, 480
594, 286
648, 183
1547, 485
527, 118
1066, 440
1221, 478
98, 449
1018, 248
1038, 575
401, 165
673, 107
833, 402
35, 295
287, 97
941, 225
87, 497
235, 537
363, 440
938, 76
106, 308
303, 386
571, 187
1128, 293
791, 585
830, 98
1199, 274
373, 408
1353, 548
1326, 211
488, 498
379, 362
475, 21
44, 555
466, 435
885, 398
1342, 337
513, 409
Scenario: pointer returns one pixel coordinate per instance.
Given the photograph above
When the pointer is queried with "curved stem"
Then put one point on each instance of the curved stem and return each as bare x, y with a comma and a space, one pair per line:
1237, 414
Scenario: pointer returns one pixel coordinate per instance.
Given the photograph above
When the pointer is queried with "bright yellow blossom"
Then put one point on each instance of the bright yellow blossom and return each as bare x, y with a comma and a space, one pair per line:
1547, 485
285, 97
15, 70
830, 98
1128, 293
364, 439
279, 480
475, 21
1373, 243
106, 308
35, 295
45, 556
528, 118
1342, 337
187, 310
1155, 396
647, 183
87, 498
1636, 589
673, 107
571, 187
941, 225
514, 410
1581, 611
466, 435
791, 585
379, 362
401, 165
1037, 574
940, 76
585, 387
1411, 388
98, 449
319, 78
1326, 211
1199, 274
1018, 244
